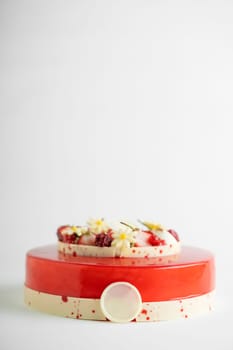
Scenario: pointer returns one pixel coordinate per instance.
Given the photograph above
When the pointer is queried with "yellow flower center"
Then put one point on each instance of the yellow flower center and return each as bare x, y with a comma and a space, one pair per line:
99, 222
74, 229
154, 227
123, 236
157, 227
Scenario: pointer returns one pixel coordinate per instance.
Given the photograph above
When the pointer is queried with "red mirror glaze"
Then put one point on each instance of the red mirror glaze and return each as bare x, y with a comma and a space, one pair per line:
189, 274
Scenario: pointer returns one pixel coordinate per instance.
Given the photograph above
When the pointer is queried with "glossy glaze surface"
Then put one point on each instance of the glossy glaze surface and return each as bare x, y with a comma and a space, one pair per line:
189, 274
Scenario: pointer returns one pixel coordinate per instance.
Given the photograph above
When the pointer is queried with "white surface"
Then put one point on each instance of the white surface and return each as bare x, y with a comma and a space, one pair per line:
121, 109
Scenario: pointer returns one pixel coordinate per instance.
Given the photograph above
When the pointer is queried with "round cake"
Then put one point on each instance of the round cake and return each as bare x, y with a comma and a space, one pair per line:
119, 273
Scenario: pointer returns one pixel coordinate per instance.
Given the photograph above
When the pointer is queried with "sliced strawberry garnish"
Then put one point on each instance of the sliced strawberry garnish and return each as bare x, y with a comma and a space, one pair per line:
59, 232
142, 238
156, 241
72, 239
174, 234
148, 238
65, 234
88, 239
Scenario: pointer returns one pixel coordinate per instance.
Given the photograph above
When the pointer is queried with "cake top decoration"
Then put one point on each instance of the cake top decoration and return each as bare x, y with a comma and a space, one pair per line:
98, 232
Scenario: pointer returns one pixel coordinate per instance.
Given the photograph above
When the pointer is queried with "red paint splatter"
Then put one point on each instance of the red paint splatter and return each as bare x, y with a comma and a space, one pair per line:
133, 251
134, 320
161, 250
181, 310
64, 299
170, 245
74, 254
148, 318
93, 311
144, 311
186, 316
77, 316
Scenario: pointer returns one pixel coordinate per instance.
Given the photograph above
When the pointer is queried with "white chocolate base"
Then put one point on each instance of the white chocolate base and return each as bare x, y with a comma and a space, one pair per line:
90, 309
111, 252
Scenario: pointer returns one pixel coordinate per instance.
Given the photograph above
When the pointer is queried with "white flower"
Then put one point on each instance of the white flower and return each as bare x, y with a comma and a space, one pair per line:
97, 225
80, 230
123, 237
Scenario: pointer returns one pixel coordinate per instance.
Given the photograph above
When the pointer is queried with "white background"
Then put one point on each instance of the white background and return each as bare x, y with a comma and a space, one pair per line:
121, 109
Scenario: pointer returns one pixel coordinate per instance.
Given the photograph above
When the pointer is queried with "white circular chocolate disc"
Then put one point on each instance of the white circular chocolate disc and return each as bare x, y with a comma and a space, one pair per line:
120, 302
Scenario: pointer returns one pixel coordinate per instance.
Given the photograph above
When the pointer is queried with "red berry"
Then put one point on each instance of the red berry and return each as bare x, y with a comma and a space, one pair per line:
60, 232
156, 241
142, 239
70, 238
174, 234
65, 237
103, 240
59, 236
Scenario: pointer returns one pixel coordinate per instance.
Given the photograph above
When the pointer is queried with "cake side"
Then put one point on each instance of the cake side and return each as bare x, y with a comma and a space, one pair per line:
90, 309
120, 290
101, 239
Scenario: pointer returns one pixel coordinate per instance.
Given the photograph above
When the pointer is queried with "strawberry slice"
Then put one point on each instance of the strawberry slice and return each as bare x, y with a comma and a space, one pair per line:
88, 239
142, 238
72, 239
156, 241
174, 234
65, 234
59, 233
148, 238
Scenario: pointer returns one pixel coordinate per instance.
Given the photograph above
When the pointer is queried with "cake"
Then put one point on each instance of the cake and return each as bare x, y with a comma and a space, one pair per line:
119, 272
